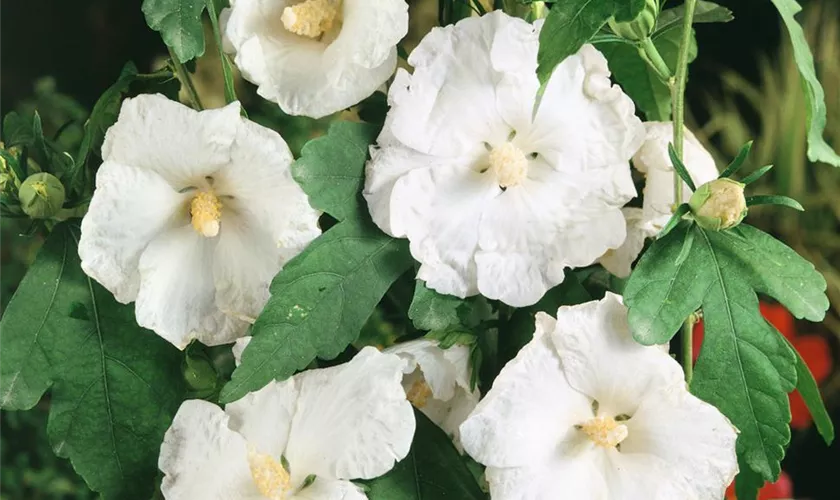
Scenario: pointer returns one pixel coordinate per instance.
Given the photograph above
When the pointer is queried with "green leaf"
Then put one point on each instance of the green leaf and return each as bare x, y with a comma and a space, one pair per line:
319, 303
745, 367
227, 69
747, 482
104, 114
433, 470
17, 131
784, 201
704, 12
807, 388
679, 167
756, 175
736, 163
331, 169
638, 80
431, 310
818, 149
625, 11
179, 24
569, 25
115, 386
675, 219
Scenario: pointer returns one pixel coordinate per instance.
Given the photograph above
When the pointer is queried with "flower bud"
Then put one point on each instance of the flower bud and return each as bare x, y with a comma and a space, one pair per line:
639, 28
41, 195
719, 204
199, 373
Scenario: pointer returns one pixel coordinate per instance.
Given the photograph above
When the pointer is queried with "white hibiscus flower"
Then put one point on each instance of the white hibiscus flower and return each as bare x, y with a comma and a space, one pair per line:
658, 204
315, 57
437, 382
583, 411
493, 197
332, 425
193, 215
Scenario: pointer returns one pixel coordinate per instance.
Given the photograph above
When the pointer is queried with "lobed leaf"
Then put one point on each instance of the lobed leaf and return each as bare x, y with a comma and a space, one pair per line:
704, 12
431, 310
810, 392
818, 149
179, 24
745, 368
115, 386
432, 470
319, 303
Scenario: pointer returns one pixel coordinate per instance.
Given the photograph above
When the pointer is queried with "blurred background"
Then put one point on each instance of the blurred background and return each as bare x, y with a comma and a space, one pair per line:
58, 57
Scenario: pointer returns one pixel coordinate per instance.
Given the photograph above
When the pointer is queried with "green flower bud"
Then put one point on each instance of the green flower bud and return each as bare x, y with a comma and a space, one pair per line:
199, 373
719, 204
640, 28
41, 195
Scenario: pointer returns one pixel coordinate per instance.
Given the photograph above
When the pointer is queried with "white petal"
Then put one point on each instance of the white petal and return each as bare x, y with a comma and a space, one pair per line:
238, 347
202, 458
177, 295
439, 210
266, 220
330, 489
692, 440
130, 206
528, 411
437, 370
352, 420
578, 479
311, 77
601, 359
448, 105
620, 260
264, 417
652, 159
181, 145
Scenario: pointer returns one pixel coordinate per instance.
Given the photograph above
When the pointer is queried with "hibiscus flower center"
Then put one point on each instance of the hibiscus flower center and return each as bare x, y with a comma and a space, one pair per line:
271, 478
311, 18
509, 164
419, 393
206, 212
604, 431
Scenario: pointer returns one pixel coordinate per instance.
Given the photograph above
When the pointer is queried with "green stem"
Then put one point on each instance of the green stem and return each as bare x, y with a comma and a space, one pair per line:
678, 92
186, 81
678, 104
688, 350
651, 55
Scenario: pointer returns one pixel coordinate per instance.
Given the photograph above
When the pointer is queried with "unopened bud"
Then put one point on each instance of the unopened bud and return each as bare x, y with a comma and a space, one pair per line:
639, 28
719, 204
199, 373
41, 195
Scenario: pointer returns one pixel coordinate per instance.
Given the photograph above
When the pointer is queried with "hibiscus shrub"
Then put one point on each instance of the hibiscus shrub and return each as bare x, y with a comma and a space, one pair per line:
452, 293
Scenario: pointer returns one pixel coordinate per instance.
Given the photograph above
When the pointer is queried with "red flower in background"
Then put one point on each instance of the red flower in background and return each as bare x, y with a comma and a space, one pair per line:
813, 349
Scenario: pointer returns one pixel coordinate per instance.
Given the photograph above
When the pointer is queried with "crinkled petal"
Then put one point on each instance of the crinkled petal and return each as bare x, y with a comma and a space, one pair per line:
578, 478
652, 159
437, 370
601, 359
316, 77
528, 411
448, 105
439, 210
266, 220
202, 458
177, 295
353, 420
692, 441
330, 489
181, 145
620, 260
264, 417
129, 208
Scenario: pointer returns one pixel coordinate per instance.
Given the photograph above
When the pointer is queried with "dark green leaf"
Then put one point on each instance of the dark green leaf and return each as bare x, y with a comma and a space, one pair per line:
704, 12
433, 470
738, 161
641, 83
115, 386
818, 149
756, 175
179, 24
784, 201
745, 367
807, 388
431, 310
679, 167
17, 131
747, 483
331, 169
319, 303
104, 114
674, 220
568, 26
627, 10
